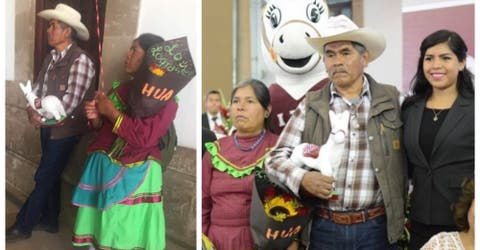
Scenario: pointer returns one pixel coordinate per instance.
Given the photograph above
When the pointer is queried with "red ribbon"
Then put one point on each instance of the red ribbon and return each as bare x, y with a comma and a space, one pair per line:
102, 84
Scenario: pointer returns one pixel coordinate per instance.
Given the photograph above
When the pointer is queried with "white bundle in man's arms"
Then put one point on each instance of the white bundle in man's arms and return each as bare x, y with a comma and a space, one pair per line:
51, 106
327, 157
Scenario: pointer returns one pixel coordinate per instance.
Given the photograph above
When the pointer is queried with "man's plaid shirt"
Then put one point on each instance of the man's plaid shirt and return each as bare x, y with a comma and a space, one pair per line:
355, 180
79, 80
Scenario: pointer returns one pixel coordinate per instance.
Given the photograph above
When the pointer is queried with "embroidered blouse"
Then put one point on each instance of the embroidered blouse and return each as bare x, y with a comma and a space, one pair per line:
141, 135
227, 183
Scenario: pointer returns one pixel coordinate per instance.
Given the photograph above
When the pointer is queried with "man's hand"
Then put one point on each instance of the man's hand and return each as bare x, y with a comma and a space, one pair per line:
91, 111
92, 114
318, 184
34, 117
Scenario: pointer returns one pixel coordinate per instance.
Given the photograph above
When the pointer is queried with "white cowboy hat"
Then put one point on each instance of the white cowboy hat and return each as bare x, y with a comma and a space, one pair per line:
341, 28
68, 15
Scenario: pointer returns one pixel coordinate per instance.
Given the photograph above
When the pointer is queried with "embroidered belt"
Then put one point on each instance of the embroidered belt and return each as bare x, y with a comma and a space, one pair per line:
348, 218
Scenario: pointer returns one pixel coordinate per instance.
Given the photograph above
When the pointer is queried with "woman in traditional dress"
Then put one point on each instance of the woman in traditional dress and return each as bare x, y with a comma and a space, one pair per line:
438, 134
120, 193
227, 168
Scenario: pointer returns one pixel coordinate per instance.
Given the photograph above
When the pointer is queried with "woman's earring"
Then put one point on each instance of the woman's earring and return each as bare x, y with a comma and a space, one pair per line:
267, 115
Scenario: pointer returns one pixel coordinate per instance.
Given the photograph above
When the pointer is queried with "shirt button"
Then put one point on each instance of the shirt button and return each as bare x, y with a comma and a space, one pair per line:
349, 186
376, 170
354, 134
356, 126
370, 138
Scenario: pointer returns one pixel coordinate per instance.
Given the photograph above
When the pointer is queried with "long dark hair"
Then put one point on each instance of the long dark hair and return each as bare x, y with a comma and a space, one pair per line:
261, 93
145, 40
460, 209
148, 39
421, 88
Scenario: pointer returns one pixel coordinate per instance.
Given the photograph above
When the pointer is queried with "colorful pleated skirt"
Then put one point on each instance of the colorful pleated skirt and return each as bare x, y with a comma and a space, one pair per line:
120, 207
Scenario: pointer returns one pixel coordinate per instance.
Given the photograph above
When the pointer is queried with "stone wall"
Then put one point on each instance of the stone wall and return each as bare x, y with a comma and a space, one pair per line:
22, 141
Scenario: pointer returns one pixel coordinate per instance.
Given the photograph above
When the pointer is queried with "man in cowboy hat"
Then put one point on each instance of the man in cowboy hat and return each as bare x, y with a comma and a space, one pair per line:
370, 182
68, 73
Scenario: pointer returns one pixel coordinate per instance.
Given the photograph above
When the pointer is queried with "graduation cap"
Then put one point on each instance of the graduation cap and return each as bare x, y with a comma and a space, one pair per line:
167, 68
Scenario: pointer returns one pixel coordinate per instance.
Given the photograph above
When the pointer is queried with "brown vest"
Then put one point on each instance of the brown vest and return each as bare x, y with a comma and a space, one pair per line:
57, 83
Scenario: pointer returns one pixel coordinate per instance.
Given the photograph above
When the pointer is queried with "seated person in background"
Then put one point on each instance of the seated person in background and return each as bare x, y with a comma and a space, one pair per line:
212, 119
464, 217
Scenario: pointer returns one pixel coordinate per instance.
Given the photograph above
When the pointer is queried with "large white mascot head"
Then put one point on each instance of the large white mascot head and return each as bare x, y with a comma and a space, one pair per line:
294, 63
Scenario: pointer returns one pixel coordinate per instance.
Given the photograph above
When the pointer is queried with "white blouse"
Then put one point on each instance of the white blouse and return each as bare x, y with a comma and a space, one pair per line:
444, 241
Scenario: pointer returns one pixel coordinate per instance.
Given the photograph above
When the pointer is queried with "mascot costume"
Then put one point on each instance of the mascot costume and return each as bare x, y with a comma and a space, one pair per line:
296, 66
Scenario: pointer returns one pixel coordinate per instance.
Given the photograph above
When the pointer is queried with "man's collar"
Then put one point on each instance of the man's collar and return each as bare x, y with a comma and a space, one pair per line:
365, 90
210, 115
60, 55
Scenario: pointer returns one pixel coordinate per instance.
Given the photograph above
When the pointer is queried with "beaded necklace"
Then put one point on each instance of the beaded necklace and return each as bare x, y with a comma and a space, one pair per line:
254, 145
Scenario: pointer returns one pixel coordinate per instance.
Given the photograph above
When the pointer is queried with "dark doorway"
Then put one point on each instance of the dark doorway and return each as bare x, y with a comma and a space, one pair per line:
87, 9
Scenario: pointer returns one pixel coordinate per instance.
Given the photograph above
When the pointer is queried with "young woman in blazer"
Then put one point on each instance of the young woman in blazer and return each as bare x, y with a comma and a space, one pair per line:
438, 133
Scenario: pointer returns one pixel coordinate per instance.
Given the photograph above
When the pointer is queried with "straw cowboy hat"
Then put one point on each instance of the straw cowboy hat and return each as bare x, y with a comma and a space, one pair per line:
68, 15
341, 28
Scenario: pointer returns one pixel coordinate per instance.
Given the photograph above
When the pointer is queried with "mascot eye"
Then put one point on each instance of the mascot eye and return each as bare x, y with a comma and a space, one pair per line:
314, 10
274, 15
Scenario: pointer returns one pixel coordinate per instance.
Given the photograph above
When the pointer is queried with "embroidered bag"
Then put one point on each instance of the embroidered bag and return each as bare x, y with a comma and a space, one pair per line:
277, 216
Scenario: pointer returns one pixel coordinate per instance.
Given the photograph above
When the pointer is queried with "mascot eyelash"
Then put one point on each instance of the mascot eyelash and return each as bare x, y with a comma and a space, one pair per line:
314, 10
274, 15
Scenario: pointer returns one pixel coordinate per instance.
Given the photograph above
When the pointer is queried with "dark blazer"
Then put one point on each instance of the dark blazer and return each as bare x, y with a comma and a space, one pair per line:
205, 121
207, 136
437, 185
